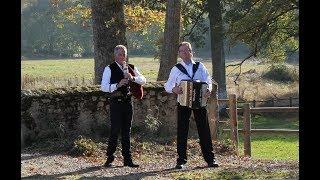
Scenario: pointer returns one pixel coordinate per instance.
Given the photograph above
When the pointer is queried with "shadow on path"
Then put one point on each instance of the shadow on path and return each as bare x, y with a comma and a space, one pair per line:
135, 175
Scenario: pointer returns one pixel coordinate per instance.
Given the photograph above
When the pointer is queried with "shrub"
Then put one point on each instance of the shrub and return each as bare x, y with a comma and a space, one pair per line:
282, 73
152, 123
84, 146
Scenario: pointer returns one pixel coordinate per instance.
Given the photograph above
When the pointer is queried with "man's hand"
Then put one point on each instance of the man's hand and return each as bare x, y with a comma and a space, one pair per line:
177, 90
122, 82
208, 93
128, 76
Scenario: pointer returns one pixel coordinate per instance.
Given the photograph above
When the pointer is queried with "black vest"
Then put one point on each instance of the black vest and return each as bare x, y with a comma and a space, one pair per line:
117, 75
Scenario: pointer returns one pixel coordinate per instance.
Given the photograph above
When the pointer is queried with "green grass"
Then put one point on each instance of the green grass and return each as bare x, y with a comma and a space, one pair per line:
271, 146
70, 68
271, 122
73, 72
66, 68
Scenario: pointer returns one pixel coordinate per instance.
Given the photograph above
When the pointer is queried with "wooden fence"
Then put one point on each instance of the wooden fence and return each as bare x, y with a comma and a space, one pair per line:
247, 111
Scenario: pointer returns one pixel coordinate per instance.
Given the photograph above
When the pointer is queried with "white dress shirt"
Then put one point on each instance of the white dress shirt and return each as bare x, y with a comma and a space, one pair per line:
176, 76
107, 87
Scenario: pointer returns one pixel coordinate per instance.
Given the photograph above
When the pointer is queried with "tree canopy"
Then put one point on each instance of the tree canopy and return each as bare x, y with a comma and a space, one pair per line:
270, 28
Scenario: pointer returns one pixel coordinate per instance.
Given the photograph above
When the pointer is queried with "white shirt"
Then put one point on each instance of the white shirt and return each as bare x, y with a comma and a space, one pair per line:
176, 76
105, 82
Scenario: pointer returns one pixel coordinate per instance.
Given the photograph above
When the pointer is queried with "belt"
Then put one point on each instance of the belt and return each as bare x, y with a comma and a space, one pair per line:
120, 99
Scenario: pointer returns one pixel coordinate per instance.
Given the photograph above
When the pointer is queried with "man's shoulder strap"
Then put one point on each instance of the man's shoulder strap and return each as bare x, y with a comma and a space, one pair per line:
194, 69
182, 69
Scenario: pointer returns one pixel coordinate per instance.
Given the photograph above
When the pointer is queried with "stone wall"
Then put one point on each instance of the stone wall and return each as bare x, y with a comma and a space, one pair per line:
73, 111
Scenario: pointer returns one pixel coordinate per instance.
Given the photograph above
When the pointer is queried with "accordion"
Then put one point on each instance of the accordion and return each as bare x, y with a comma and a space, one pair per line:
193, 94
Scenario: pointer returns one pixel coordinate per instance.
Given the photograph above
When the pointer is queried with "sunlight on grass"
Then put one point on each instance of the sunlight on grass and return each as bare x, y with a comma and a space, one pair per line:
273, 146
70, 72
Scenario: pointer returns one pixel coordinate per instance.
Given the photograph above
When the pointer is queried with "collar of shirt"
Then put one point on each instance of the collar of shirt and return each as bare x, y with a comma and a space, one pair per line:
186, 65
120, 66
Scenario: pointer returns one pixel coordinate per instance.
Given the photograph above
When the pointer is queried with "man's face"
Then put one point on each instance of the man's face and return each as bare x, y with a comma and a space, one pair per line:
185, 52
120, 57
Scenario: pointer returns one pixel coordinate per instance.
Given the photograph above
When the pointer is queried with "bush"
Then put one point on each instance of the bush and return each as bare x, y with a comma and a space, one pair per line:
282, 73
84, 146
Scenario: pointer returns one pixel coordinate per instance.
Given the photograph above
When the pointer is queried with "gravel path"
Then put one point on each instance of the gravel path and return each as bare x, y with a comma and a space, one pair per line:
36, 165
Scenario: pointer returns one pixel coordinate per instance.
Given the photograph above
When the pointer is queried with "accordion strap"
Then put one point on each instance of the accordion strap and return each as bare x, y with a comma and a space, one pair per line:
183, 70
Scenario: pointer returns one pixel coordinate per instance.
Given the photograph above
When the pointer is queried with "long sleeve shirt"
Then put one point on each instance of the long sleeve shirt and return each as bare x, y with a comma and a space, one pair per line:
176, 76
105, 82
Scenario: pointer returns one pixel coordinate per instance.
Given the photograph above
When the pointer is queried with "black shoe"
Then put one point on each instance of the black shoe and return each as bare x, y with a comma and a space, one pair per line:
130, 164
213, 164
179, 166
108, 163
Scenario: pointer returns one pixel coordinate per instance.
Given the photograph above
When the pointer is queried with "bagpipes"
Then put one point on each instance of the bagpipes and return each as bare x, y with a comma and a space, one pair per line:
135, 88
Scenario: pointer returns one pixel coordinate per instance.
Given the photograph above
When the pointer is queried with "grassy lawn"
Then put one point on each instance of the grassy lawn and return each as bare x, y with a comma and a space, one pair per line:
271, 146
66, 68
72, 72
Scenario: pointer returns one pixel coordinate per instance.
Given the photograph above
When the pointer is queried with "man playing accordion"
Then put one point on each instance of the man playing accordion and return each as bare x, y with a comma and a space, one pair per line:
189, 70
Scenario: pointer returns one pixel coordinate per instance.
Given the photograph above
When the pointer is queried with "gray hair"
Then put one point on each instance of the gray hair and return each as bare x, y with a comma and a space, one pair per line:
185, 43
117, 50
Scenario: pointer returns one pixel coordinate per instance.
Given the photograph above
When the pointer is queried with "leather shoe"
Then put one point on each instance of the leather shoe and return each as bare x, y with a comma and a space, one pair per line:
179, 166
108, 163
213, 164
130, 164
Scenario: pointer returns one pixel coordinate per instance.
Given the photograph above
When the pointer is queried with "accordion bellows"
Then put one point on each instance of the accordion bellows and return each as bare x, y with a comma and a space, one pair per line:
193, 94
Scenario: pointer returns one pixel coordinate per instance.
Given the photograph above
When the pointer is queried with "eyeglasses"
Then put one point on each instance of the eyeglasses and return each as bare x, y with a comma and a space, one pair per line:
121, 54
185, 51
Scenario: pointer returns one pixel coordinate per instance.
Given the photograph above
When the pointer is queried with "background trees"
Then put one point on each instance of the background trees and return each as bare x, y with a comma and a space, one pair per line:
259, 28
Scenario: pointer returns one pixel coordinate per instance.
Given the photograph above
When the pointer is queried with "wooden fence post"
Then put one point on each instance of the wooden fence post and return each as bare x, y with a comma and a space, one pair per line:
213, 115
234, 120
290, 101
247, 129
254, 103
272, 101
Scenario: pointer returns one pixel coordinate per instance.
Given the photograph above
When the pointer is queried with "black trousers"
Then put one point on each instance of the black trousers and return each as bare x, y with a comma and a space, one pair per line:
121, 118
201, 118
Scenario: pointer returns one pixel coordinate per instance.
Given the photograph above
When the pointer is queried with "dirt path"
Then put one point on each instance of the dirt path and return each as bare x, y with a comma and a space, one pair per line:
36, 165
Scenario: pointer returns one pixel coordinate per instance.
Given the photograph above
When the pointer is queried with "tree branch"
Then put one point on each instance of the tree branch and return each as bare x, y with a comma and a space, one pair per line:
260, 25
238, 65
193, 26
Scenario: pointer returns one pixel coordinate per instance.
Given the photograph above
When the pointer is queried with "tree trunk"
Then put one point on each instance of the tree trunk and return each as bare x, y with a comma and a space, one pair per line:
217, 47
108, 31
169, 49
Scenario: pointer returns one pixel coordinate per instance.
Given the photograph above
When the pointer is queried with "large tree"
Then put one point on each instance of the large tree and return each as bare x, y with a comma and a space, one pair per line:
169, 49
217, 46
108, 31
110, 21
